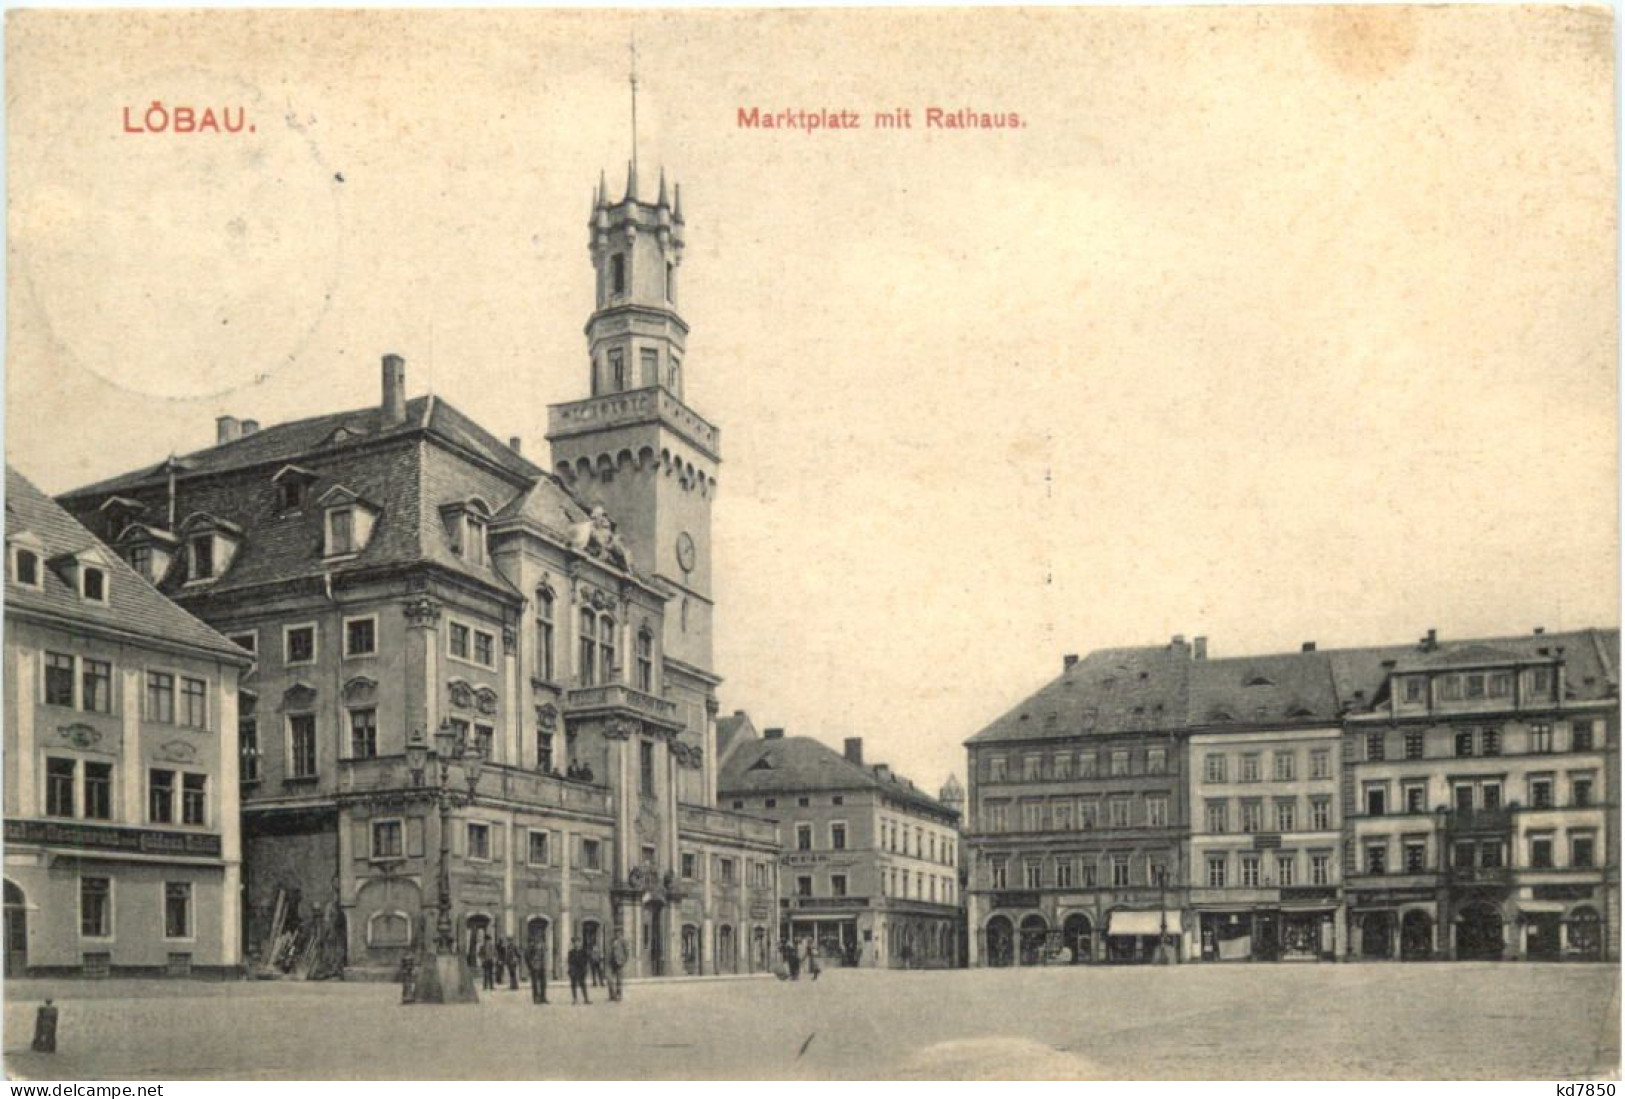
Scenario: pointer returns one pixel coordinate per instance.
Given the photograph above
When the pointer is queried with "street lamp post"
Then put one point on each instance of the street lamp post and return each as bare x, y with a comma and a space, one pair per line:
1162, 957
446, 980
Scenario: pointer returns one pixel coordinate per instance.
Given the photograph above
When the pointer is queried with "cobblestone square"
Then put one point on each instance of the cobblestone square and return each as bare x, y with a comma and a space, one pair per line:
1379, 1021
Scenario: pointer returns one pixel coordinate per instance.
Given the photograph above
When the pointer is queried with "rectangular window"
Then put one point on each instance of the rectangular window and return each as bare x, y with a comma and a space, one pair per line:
1089, 874
1415, 689
1156, 761
804, 833
387, 839
1215, 871
1249, 871
995, 769
1376, 858
1063, 765
177, 910
726, 868
479, 840
1376, 747
299, 645
1063, 873
485, 740
1033, 874
161, 697
1376, 799
1032, 818
1320, 869
194, 799
1461, 855
1449, 688
1286, 766
301, 745
1061, 814
1540, 737
538, 847
1540, 791
360, 636
161, 796
202, 557
1413, 744
1252, 816
248, 744
646, 662
363, 734
1582, 850
1251, 767
96, 908
588, 671
1120, 871
1501, 685
1540, 850
1218, 816
484, 648
1320, 814
646, 768
1119, 763
837, 837
1582, 739
59, 783
457, 637
1213, 768
94, 583
1030, 768
1580, 791
1088, 816
1156, 812
1286, 815
1540, 682
96, 686
997, 873
837, 885
25, 567
1286, 869
1490, 855
194, 703
1416, 797
1492, 795
1087, 764
804, 885
98, 791
1416, 856
1120, 812
1320, 763
1464, 797
1475, 685
341, 531
591, 855
1490, 738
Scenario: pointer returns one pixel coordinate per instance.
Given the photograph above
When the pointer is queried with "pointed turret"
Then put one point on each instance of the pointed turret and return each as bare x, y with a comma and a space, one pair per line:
677, 203
631, 181
603, 189
661, 201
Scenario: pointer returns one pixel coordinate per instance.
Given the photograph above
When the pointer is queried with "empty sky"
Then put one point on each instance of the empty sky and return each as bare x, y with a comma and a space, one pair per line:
1270, 325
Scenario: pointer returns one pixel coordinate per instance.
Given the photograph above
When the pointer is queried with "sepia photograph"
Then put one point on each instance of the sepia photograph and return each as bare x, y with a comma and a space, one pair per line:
910, 544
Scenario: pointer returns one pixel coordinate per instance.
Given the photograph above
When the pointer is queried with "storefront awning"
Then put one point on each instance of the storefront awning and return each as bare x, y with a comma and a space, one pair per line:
1142, 923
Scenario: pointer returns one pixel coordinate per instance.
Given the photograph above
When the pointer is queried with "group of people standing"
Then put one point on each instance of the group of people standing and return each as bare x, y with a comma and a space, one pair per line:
799, 954
494, 954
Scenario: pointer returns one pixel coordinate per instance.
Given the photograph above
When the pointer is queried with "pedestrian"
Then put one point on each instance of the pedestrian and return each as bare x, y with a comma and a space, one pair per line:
812, 958
536, 963
511, 958
595, 960
576, 963
488, 961
792, 958
617, 965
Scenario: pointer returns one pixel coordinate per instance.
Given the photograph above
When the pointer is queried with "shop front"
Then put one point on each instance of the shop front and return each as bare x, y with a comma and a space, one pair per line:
1133, 935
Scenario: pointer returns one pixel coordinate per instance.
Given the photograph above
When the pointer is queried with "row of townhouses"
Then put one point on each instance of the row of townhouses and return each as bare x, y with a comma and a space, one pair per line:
1426, 801
435, 674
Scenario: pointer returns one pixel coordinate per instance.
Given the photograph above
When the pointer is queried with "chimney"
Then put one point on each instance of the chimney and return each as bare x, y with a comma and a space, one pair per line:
1308, 646
514, 444
1201, 648
854, 750
883, 771
1431, 641
394, 396
226, 430
772, 734
1539, 630
1069, 661
249, 427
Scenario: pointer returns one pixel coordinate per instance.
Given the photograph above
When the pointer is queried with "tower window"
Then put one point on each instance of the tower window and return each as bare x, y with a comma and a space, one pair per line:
617, 370
650, 372
617, 273
671, 283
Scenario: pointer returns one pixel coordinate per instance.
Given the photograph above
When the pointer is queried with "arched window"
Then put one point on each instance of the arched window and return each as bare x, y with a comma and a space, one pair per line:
606, 648
589, 647
646, 661
544, 634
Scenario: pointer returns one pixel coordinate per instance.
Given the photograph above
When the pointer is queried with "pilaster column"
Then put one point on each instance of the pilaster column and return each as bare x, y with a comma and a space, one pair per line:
26, 689
511, 736
422, 665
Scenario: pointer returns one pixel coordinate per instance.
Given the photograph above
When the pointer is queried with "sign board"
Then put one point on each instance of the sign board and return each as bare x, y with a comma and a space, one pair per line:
135, 841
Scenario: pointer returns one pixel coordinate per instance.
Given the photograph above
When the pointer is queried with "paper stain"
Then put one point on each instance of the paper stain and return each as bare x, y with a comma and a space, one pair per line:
1364, 43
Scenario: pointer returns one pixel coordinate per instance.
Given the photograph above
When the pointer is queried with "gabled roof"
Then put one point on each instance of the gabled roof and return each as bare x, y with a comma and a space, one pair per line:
787, 765
1108, 691
133, 606
1257, 690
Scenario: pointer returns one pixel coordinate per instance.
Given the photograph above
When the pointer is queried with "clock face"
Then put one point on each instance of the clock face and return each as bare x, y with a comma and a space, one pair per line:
685, 552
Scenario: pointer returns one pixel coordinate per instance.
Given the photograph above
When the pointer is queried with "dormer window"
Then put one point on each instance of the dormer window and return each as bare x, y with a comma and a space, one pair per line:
93, 584
466, 524
211, 546
25, 566
85, 572
348, 521
292, 487
148, 550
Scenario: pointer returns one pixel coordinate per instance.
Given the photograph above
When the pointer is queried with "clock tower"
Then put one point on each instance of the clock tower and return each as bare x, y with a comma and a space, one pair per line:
634, 446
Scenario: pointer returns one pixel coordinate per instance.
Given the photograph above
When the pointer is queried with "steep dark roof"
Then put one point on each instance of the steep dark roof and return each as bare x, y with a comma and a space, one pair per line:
133, 606
1253, 690
1108, 691
787, 765
1591, 657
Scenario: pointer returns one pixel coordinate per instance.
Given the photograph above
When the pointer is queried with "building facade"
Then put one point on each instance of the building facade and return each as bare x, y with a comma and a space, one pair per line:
1078, 803
869, 867
121, 825
398, 570
1412, 802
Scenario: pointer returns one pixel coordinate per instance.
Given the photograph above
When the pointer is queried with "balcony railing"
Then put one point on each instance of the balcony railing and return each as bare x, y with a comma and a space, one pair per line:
609, 698
390, 774
720, 822
1478, 820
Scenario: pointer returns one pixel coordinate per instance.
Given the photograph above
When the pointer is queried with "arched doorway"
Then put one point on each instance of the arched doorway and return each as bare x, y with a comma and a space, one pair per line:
727, 959
16, 930
1543, 940
1034, 933
1377, 935
1001, 936
1416, 936
476, 930
690, 941
654, 937
1585, 934
537, 930
758, 949
1079, 936
1478, 932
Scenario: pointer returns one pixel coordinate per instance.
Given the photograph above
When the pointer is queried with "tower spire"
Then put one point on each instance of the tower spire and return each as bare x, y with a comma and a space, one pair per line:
632, 47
